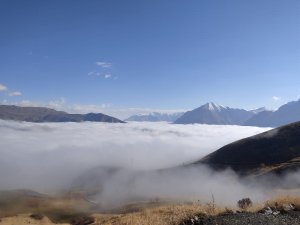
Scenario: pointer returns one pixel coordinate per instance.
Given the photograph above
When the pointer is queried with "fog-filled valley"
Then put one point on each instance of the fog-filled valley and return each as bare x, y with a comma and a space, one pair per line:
48, 157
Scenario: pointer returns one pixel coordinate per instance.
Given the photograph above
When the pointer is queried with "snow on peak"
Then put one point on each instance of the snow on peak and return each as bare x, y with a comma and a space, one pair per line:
214, 107
258, 110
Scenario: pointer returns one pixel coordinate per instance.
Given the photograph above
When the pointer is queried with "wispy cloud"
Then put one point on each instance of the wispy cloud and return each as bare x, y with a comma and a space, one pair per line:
276, 98
99, 74
91, 73
105, 70
14, 93
3, 87
104, 64
8, 92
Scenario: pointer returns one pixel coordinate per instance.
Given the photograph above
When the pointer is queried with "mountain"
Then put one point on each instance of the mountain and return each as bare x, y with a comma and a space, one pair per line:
155, 117
286, 114
277, 150
212, 113
260, 119
259, 110
42, 114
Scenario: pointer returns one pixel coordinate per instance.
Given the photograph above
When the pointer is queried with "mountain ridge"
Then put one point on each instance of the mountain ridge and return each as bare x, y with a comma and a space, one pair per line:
43, 114
155, 117
211, 113
287, 113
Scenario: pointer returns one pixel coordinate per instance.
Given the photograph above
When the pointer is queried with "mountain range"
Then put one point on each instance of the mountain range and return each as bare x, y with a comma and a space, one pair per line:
209, 113
212, 113
286, 114
42, 114
156, 117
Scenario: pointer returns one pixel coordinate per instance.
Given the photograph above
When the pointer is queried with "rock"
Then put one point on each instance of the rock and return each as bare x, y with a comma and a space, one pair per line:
266, 211
287, 207
83, 221
37, 216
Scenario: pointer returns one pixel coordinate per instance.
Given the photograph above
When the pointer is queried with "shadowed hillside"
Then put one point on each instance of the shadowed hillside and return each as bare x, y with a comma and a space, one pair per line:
277, 149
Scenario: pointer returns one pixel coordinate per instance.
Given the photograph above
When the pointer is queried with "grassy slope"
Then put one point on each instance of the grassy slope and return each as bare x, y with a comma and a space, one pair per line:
278, 149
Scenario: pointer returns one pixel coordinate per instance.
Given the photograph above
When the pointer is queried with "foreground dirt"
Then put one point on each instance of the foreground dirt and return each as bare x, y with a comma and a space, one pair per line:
291, 218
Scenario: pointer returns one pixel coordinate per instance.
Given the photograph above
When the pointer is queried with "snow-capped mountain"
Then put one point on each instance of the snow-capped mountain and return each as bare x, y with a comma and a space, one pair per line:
286, 114
156, 117
212, 113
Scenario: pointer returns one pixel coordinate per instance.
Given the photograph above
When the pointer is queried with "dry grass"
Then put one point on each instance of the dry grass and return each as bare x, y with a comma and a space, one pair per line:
58, 209
175, 214
25, 219
65, 209
284, 199
277, 202
163, 215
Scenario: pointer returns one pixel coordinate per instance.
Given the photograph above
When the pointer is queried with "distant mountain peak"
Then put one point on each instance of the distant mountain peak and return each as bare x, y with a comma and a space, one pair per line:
212, 113
211, 106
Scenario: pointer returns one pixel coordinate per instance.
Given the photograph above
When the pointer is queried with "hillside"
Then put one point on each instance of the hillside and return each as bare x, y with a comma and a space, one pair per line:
276, 150
42, 114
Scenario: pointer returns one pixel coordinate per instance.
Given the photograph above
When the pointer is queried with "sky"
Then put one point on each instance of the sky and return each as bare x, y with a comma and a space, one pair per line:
150, 54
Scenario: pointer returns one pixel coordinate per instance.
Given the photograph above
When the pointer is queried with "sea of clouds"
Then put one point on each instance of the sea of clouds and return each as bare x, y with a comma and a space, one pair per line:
49, 156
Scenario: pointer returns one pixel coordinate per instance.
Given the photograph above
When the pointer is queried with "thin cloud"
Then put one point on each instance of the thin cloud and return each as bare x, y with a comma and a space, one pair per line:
276, 98
14, 93
104, 64
99, 74
3, 87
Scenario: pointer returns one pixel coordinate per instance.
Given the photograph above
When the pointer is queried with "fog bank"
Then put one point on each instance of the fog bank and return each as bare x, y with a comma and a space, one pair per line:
49, 156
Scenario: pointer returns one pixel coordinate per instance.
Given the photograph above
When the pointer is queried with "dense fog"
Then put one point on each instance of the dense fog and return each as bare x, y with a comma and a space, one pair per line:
50, 156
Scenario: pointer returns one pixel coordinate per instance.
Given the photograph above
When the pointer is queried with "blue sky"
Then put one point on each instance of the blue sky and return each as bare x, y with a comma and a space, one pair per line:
150, 53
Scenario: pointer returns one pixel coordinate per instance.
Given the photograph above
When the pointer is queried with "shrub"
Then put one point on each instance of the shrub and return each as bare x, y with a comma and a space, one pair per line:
244, 203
